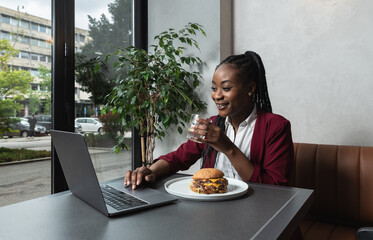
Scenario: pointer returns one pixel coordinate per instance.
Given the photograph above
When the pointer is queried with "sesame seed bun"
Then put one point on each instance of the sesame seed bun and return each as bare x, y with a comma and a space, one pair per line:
207, 173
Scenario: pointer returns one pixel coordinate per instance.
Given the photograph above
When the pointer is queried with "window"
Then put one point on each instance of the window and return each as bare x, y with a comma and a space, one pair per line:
5, 19
34, 56
34, 42
25, 55
33, 101
81, 120
43, 29
42, 43
34, 72
63, 83
84, 106
14, 22
25, 24
90, 121
34, 86
25, 40
5, 35
15, 38
34, 26
43, 58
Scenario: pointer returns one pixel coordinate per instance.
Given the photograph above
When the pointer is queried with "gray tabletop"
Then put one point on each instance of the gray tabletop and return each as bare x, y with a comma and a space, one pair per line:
265, 212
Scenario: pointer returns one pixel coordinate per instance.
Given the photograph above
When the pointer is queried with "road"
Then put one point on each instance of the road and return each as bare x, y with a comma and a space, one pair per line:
24, 181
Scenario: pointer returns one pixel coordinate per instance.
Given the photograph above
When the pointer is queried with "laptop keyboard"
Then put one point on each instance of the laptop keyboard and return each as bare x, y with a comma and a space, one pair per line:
120, 200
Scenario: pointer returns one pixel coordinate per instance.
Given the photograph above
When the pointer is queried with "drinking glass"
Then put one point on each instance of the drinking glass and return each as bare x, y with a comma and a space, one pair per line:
191, 135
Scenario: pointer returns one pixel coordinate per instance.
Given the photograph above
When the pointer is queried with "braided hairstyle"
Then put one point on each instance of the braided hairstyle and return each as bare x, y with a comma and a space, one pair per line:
251, 68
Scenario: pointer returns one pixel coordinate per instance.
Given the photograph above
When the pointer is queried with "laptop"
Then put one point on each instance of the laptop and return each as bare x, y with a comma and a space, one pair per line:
111, 199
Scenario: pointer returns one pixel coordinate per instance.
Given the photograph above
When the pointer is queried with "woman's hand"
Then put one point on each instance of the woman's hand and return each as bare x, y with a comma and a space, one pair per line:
213, 135
216, 138
136, 177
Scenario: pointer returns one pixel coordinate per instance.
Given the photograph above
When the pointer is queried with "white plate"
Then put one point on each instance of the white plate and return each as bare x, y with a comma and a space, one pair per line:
180, 187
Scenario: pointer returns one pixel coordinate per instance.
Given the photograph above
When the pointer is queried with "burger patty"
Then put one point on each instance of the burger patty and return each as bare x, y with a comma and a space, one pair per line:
216, 180
217, 185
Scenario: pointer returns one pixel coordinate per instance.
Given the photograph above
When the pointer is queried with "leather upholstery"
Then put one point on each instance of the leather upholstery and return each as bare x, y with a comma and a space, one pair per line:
342, 177
320, 230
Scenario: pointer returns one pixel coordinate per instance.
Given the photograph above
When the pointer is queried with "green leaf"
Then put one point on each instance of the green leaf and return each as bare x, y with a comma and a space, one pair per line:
180, 130
189, 41
97, 68
133, 100
195, 83
193, 25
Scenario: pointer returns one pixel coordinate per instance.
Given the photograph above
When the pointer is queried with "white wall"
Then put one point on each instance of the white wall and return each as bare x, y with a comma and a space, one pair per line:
318, 56
164, 14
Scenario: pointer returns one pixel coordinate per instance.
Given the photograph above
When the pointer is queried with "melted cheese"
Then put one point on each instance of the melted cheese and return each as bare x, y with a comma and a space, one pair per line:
213, 180
213, 184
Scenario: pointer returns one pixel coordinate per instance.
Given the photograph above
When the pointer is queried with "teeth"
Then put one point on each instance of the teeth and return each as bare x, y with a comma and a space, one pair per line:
221, 105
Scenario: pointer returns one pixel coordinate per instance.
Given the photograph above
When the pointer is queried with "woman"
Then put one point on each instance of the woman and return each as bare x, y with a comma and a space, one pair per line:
246, 140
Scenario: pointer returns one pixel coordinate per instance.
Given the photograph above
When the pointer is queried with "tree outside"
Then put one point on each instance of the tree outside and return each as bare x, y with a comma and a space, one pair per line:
96, 76
14, 84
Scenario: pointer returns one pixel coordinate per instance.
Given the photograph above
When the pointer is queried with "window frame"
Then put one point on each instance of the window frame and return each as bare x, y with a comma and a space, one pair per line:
63, 85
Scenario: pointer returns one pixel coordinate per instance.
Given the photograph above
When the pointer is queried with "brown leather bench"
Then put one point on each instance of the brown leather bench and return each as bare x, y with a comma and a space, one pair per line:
342, 177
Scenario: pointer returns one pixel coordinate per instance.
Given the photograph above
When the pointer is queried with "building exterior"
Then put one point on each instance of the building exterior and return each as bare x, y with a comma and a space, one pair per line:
32, 37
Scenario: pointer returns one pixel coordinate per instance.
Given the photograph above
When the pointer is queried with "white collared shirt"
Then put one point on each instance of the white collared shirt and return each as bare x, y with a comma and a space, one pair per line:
242, 140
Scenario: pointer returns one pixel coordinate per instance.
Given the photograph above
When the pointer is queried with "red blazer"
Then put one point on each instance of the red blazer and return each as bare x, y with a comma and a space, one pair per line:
272, 151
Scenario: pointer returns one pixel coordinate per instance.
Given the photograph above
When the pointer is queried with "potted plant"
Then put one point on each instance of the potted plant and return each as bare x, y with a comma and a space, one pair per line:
154, 90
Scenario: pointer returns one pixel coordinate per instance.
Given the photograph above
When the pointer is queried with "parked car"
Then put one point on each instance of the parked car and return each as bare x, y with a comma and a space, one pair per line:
44, 120
90, 124
78, 128
22, 128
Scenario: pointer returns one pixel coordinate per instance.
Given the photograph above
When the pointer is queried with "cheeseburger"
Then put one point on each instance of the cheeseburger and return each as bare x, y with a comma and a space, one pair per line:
208, 181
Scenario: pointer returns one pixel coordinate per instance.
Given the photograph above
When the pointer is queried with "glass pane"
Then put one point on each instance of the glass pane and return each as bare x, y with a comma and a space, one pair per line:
100, 29
25, 55
25, 24
30, 94
34, 56
5, 35
5, 19
34, 42
42, 28
34, 26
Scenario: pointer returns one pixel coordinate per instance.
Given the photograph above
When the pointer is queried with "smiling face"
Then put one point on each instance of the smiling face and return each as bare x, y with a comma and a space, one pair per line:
232, 94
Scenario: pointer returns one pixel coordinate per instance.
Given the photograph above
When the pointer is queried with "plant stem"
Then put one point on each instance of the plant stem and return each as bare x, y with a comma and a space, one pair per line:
142, 144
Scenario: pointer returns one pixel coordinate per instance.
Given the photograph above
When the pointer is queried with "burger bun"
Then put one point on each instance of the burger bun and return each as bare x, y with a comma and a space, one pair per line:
208, 173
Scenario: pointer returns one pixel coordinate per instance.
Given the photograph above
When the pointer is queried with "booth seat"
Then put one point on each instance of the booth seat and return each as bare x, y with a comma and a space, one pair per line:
342, 177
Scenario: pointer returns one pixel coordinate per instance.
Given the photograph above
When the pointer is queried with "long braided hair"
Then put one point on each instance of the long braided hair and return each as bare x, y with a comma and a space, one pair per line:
251, 68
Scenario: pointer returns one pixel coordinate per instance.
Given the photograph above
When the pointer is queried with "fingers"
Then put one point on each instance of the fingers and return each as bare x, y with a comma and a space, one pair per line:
127, 178
150, 178
203, 121
201, 127
136, 177
204, 128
